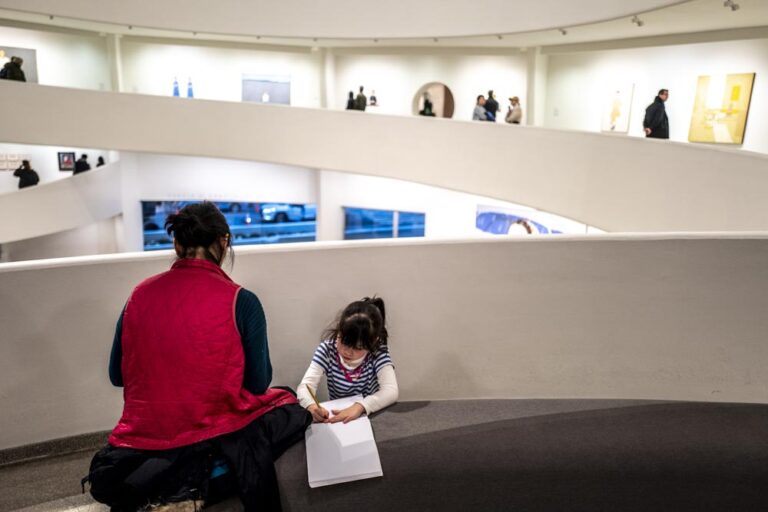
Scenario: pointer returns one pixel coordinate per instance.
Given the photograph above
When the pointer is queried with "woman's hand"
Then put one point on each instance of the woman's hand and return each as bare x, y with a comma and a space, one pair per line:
319, 414
351, 413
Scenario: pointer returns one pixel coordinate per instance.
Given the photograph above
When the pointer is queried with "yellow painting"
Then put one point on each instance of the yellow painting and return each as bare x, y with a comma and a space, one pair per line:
721, 108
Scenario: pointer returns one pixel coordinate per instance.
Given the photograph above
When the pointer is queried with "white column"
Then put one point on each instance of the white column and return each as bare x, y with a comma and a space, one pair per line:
115, 61
330, 212
536, 87
328, 79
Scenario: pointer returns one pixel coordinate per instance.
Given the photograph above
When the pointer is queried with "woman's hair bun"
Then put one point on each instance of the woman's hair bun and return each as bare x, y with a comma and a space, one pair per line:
197, 225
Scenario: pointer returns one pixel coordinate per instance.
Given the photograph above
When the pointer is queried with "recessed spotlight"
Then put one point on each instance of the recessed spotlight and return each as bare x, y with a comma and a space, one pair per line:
563, 31
733, 6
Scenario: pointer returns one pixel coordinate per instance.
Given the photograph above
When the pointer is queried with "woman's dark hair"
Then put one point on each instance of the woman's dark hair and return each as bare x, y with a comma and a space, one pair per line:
200, 225
362, 325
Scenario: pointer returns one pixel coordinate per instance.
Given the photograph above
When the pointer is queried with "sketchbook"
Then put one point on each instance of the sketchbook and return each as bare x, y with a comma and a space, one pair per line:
338, 453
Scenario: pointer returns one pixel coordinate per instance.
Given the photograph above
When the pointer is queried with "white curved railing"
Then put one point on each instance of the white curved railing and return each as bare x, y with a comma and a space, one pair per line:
364, 19
620, 184
62, 205
647, 317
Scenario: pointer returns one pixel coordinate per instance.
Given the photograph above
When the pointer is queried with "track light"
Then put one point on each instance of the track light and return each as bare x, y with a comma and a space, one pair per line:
500, 37
731, 4
436, 40
637, 21
563, 31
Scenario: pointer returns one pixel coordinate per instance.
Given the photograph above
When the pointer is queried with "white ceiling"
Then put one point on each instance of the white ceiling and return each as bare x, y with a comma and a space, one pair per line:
686, 17
342, 19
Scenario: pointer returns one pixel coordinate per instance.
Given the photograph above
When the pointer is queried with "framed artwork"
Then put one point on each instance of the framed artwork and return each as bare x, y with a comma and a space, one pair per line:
67, 161
617, 108
267, 89
721, 108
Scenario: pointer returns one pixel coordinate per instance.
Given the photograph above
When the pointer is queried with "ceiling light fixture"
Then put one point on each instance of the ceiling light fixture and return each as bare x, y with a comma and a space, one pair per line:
563, 31
637, 21
50, 17
375, 40
733, 6
500, 37
436, 40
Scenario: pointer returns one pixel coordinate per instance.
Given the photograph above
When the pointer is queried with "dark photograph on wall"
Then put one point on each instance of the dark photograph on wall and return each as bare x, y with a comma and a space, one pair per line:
67, 161
250, 223
28, 58
267, 89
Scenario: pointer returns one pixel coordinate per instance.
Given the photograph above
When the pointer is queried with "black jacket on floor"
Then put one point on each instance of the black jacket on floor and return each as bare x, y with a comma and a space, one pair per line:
128, 479
656, 119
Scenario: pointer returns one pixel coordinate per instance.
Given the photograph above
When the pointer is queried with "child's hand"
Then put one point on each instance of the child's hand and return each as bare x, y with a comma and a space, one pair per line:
351, 413
319, 414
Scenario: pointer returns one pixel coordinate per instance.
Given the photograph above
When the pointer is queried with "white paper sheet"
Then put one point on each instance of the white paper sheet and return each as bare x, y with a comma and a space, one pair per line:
339, 453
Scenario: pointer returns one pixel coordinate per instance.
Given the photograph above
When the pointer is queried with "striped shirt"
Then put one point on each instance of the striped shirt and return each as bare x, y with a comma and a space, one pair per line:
339, 386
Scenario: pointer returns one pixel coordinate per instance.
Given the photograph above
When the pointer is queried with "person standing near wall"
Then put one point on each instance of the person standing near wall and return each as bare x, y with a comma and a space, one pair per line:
479, 114
27, 176
12, 70
100, 161
351, 101
361, 101
656, 122
491, 106
82, 164
515, 111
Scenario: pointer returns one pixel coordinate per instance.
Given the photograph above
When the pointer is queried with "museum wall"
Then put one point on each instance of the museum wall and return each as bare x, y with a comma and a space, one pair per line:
151, 177
217, 71
43, 159
638, 317
579, 84
396, 78
68, 59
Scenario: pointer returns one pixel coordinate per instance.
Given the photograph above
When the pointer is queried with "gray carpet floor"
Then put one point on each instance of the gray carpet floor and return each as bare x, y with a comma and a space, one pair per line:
526, 455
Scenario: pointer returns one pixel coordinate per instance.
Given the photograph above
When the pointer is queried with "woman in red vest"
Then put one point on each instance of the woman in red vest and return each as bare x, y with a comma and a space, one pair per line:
191, 352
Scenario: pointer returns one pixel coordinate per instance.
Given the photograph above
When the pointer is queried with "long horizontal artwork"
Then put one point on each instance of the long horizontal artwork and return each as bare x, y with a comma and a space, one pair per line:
721, 108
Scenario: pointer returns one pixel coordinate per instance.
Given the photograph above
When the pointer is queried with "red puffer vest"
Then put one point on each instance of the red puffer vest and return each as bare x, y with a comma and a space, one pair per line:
183, 361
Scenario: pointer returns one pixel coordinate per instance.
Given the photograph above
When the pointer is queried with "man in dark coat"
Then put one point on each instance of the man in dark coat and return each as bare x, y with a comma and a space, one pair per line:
361, 101
12, 70
27, 176
656, 123
491, 106
82, 165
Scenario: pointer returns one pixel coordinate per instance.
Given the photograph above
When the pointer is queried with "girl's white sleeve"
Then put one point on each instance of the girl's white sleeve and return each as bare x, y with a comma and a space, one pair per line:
311, 378
387, 393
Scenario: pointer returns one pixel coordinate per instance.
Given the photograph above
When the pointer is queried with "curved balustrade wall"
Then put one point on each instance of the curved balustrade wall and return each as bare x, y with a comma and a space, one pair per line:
606, 317
614, 183
61, 205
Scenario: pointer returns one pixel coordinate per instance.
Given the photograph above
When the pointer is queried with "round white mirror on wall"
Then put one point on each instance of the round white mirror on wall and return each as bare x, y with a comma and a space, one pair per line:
434, 99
